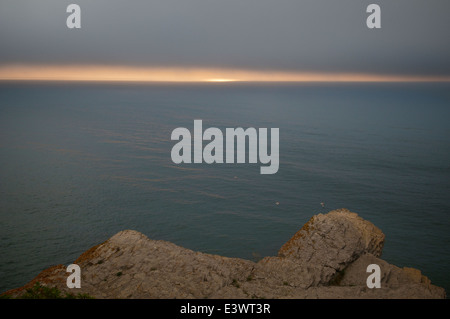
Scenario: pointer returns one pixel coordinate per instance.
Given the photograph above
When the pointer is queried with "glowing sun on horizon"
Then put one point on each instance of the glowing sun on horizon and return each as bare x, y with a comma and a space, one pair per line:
220, 80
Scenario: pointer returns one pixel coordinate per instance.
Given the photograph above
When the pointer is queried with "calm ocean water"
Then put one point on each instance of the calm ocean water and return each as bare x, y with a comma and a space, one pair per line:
80, 162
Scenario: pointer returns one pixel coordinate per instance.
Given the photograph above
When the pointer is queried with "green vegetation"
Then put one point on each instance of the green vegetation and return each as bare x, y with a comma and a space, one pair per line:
42, 292
235, 283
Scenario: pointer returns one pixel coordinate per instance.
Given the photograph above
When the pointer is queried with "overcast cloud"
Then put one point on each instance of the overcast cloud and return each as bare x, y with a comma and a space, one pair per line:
297, 35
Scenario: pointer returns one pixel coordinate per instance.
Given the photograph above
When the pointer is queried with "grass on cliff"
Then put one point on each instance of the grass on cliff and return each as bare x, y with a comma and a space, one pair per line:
42, 292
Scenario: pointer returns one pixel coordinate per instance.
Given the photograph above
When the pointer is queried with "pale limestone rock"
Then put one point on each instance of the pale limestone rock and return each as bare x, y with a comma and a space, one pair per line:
327, 258
393, 278
333, 241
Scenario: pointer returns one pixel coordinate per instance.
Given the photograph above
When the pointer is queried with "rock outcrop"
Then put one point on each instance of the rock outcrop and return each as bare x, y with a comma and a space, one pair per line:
332, 242
326, 258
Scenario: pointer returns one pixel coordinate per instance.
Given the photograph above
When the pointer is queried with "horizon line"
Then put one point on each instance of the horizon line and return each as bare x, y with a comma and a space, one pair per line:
102, 73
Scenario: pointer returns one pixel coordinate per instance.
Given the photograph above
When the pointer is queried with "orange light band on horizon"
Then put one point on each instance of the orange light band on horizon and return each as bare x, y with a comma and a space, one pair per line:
160, 74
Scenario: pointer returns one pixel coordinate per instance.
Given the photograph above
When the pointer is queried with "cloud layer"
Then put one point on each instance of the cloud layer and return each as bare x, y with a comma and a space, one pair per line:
284, 35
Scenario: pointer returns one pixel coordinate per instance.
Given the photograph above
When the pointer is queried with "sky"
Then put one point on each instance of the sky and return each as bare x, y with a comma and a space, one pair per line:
226, 39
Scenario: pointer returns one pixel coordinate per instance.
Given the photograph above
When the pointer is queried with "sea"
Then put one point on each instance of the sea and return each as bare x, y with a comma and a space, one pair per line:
82, 161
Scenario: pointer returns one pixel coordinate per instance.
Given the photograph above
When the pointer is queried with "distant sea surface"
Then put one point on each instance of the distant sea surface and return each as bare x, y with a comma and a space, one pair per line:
81, 161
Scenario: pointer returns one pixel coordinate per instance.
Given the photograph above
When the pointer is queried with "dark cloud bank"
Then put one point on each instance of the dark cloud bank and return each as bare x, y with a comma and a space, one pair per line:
296, 35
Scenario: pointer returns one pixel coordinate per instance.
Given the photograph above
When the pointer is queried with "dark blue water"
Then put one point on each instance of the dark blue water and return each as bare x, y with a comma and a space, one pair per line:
80, 162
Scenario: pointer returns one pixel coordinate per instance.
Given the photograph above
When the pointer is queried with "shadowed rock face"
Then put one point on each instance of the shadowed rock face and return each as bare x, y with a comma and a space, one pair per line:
326, 258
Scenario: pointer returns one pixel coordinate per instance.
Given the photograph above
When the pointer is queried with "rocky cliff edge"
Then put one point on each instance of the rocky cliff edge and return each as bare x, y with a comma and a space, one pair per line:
326, 258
